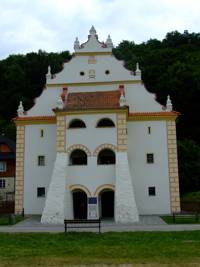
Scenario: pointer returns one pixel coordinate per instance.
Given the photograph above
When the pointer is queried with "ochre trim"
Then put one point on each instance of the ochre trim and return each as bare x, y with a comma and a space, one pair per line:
74, 187
103, 187
104, 146
93, 53
79, 146
28, 120
91, 83
145, 116
19, 178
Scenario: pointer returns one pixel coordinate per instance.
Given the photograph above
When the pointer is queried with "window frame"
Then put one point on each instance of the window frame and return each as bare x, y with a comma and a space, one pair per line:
99, 160
150, 158
151, 191
41, 160
3, 164
2, 183
71, 163
105, 126
39, 195
76, 120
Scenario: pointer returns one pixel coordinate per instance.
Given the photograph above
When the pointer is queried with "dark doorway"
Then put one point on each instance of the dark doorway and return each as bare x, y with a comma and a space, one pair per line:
80, 205
107, 204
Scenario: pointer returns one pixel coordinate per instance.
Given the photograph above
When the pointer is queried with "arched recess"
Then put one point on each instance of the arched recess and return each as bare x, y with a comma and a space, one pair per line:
104, 146
100, 188
77, 187
105, 122
79, 146
76, 123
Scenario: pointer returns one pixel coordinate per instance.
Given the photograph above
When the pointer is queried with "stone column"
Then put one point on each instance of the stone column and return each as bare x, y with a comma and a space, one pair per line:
173, 166
19, 178
125, 204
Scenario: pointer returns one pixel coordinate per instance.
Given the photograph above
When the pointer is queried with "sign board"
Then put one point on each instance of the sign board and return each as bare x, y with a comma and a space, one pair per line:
92, 208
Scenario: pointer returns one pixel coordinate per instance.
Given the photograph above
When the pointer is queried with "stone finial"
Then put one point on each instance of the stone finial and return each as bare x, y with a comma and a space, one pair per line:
109, 42
60, 103
138, 71
169, 106
48, 75
122, 100
93, 31
20, 110
76, 44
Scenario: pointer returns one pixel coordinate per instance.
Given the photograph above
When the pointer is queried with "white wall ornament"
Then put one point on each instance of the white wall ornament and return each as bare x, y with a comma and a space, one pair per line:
169, 106
20, 110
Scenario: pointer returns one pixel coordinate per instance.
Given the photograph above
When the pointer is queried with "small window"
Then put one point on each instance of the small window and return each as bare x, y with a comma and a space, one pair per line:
78, 157
152, 191
41, 160
2, 166
76, 124
150, 158
105, 123
41, 133
41, 192
149, 130
82, 73
106, 156
2, 183
107, 72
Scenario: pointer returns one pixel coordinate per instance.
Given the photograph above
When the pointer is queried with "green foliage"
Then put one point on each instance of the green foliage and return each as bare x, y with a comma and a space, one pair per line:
189, 165
191, 196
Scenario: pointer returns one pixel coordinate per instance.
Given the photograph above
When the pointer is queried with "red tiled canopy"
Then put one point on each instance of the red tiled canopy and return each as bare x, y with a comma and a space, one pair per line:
92, 100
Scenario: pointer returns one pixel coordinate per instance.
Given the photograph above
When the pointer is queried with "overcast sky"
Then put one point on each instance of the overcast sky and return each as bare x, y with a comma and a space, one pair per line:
52, 25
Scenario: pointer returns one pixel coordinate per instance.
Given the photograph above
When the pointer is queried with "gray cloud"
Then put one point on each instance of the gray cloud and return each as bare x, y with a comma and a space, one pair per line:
52, 25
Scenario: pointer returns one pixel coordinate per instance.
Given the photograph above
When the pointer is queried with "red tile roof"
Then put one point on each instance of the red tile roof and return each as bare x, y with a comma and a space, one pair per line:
92, 100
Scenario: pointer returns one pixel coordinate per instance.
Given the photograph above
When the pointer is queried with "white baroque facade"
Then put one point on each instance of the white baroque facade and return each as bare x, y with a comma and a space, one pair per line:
96, 143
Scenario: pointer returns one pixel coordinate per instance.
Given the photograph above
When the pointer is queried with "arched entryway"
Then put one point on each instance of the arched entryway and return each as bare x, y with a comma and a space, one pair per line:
106, 204
79, 204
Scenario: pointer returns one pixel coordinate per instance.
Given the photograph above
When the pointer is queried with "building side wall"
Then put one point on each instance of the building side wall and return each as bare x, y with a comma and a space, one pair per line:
34, 175
10, 168
144, 174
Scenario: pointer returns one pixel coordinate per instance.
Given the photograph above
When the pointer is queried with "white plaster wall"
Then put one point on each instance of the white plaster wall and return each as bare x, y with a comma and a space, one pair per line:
72, 69
91, 175
146, 175
34, 175
91, 136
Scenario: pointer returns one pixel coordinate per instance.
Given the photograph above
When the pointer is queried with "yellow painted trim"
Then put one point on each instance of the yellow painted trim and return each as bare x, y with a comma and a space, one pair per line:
152, 118
94, 111
32, 121
93, 53
49, 86
103, 187
80, 187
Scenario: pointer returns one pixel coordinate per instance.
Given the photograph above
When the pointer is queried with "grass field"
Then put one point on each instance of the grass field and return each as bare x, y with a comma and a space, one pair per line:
139, 248
5, 220
181, 220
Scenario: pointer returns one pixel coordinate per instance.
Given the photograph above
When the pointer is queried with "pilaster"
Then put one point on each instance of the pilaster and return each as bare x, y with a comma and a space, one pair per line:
19, 179
60, 134
173, 166
122, 132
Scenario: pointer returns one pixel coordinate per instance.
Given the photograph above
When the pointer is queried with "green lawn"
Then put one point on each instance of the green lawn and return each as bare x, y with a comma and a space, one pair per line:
180, 220
5, 220
139, 248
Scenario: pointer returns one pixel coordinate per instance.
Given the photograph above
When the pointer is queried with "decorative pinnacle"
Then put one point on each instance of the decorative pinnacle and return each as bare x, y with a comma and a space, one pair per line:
20, 110
76, 44
109, 42
48, 75
60, 102
93, 31
169, 106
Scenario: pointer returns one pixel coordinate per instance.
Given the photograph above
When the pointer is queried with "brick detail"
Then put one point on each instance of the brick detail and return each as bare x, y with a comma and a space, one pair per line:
19, 178
104, 146
79, 146
60, 134
121, 132
173, 166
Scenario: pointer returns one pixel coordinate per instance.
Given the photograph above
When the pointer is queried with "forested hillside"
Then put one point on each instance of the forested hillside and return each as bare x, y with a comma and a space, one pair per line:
170, 66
